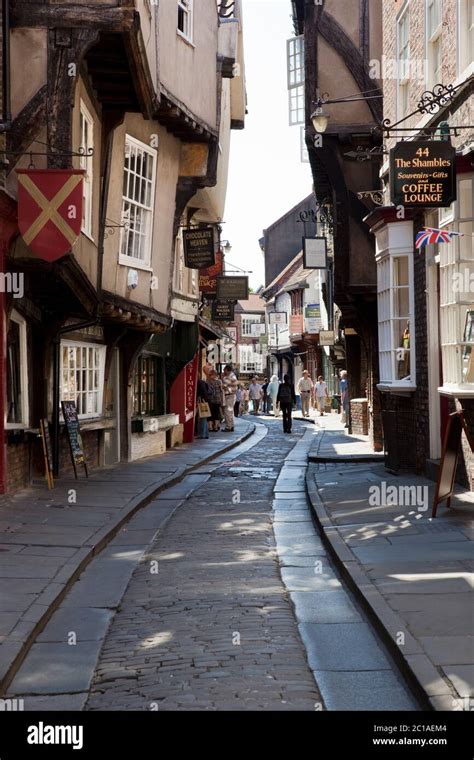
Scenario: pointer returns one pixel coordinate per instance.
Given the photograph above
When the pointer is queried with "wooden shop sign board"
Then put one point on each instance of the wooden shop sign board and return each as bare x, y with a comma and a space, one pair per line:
423, 174
76, 447
199, 247
232, 288
208, 277
449, 459
47, 452
223, 311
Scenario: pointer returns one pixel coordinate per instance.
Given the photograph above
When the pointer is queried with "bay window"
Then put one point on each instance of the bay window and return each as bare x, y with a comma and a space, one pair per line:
395, 295
82, 376
456, 260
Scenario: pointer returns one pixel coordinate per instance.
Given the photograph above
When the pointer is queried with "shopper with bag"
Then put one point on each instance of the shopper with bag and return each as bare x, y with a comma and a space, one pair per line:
216, 401
286, 398
203, 409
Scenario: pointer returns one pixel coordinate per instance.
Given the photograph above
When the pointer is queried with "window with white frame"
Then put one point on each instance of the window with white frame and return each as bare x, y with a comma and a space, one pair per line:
82, 376
185, 18
395, 314
466, 34
250, 360
403, 62
247, 320
17, 373
296, 78
434, 26
86, 127
456, 260
139, 175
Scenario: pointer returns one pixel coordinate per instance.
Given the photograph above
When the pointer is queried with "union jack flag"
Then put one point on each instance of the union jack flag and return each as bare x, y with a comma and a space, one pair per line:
431, 236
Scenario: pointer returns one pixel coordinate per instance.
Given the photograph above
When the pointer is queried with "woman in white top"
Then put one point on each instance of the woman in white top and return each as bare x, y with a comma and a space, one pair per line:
321, 392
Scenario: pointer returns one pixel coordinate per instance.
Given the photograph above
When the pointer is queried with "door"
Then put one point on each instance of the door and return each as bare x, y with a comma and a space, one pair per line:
112, 412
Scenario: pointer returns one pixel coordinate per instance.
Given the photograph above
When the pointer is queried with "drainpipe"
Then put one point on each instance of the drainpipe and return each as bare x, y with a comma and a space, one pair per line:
3, 381
6, 114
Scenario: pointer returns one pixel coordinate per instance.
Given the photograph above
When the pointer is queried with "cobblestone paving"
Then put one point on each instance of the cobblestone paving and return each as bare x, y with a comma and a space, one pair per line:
213, 629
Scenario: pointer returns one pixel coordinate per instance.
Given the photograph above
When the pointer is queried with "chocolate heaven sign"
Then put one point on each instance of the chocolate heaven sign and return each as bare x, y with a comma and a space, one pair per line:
423, 174
199, 247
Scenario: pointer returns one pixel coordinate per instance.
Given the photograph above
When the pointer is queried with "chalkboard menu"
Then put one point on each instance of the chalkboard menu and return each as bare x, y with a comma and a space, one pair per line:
199, 247
47, 452
71, 421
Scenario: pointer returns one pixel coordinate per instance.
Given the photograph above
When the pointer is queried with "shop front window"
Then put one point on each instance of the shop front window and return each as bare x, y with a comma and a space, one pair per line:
82, 376
456, 260
145, 386
17, 383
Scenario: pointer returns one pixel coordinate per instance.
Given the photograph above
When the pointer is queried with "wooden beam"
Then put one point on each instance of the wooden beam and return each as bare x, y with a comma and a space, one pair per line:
99, 18
26, 126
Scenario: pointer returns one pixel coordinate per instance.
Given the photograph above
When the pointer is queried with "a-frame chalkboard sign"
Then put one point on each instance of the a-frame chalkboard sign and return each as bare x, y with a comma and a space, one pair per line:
47, 452
76, 447
449, 459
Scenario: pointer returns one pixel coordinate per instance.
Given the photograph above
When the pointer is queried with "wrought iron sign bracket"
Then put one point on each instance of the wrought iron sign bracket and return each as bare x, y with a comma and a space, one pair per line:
4, 162
431, 102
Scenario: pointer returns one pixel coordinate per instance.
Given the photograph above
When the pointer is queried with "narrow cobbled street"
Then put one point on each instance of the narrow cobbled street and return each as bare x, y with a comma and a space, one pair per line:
214, 628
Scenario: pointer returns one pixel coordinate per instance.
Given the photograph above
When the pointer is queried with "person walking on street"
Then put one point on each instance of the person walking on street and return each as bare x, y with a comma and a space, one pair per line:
265, 397
272, 393
202, 398
229, 382
344, 388
245, 400
216, 401
286, 397
255, 393
305, 388
321, 392
238, 400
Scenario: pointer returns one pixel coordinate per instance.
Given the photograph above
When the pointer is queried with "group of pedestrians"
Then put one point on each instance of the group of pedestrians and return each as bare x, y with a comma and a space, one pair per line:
223, 397
216, 399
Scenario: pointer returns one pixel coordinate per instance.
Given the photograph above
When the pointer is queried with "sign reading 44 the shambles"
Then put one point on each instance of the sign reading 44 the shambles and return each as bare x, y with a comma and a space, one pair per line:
423, 174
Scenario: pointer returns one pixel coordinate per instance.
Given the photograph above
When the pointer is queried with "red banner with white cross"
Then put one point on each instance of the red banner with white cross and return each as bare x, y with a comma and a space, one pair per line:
50, 210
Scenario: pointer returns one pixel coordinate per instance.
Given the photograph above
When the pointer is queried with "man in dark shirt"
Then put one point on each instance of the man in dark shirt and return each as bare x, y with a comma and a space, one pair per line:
286, 398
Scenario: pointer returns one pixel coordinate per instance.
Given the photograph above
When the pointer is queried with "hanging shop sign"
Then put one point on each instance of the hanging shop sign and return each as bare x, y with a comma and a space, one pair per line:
50, 210
232, 288
257, 329
296, 324
223, 311
423, 174
315, 252
277, 317
312, 316
199, 247
326, 338
208, 276
263, 340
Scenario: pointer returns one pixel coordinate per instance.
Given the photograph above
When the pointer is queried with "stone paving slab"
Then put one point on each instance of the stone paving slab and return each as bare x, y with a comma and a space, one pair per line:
413, 572
41, 523
373, 690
